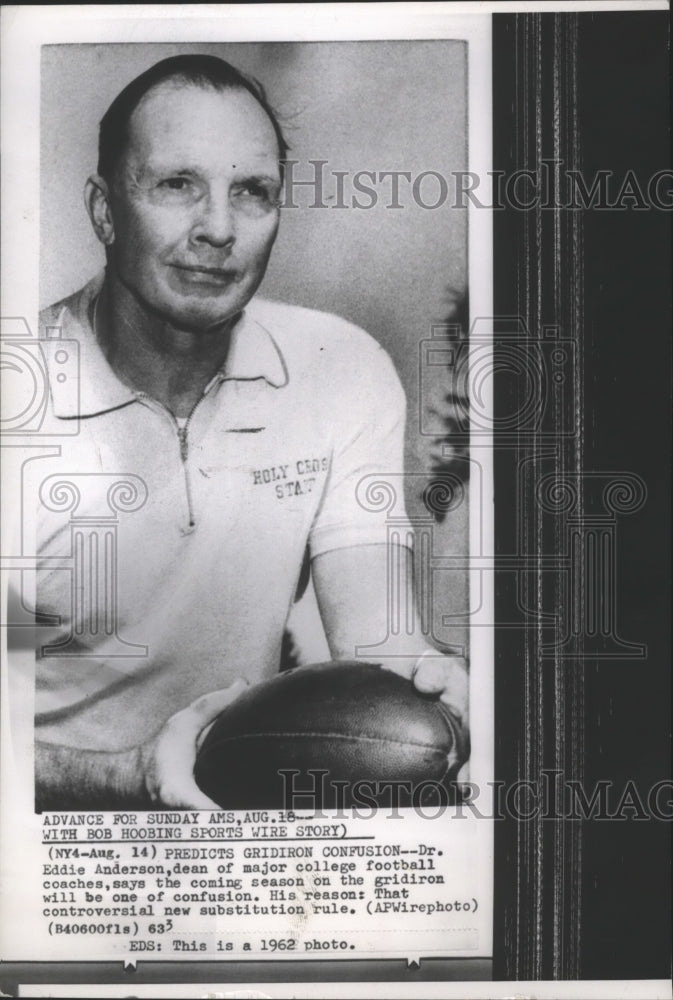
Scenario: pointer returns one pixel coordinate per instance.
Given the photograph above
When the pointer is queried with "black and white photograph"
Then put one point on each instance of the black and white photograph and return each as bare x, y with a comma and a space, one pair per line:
336, 633
286, 457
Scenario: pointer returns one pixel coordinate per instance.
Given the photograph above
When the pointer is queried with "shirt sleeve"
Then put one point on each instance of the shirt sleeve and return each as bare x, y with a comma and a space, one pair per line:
363, 500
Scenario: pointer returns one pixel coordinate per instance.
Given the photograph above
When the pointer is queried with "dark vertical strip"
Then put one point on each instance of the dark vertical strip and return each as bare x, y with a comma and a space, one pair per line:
624, 79
582, 688
538, 262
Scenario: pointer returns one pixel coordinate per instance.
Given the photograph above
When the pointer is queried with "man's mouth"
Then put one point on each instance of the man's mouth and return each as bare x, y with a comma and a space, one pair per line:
208, 274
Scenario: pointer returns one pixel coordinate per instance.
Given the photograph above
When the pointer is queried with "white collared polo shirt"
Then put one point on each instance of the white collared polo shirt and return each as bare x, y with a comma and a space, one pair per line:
169, 555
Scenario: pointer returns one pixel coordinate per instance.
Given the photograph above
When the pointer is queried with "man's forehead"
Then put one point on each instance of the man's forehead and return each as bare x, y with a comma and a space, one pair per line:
178, 117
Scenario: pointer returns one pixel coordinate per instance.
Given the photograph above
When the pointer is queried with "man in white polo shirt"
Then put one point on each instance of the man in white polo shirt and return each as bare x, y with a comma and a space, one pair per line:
219, 438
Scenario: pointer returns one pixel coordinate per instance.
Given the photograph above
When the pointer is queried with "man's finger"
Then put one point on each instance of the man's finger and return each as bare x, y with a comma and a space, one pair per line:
191, 798
205, 708
430, 675
457, 702
445, 676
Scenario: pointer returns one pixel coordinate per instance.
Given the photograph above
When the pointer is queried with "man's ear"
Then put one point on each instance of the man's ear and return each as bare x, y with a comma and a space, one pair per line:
97, 201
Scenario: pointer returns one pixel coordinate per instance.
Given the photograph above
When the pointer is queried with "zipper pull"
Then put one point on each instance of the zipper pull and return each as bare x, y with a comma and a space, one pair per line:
182, 437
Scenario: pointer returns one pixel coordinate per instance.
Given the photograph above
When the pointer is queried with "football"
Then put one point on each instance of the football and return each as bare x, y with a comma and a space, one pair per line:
339, 731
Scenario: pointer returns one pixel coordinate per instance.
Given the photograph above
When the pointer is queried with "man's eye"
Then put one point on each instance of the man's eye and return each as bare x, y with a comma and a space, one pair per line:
253, 192
175, 183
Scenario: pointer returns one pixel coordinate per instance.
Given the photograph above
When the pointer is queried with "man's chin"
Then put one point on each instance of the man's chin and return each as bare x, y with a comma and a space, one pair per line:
202, 322
205, 316
199, 310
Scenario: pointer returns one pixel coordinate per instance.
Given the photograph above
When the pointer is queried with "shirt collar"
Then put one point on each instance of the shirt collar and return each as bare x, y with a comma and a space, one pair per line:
91, 387
253, 353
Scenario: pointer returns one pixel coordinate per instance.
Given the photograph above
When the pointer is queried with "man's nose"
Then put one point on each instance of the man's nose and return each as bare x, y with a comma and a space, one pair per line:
215, 223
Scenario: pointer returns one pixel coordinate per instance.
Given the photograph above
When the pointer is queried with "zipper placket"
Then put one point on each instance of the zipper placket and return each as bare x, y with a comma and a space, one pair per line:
183, 442
184, 452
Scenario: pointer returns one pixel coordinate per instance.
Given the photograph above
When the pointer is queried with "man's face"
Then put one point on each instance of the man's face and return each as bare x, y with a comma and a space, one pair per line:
194, 203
